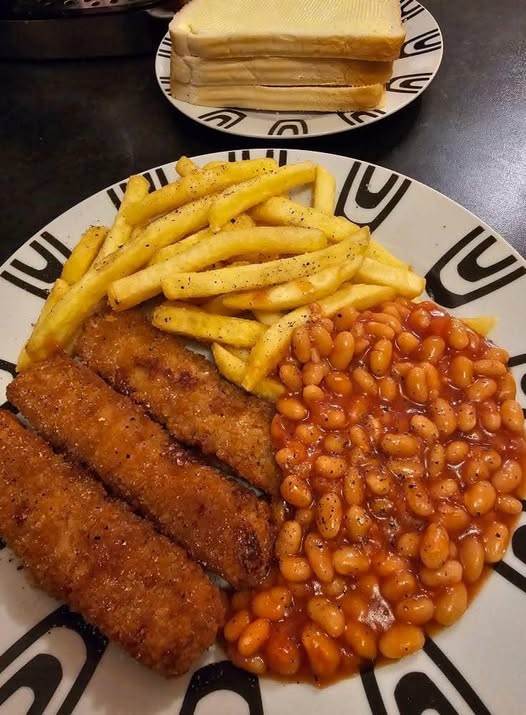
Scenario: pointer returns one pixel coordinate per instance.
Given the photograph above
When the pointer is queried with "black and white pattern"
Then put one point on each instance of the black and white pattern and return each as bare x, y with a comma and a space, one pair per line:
52, 662
419, 61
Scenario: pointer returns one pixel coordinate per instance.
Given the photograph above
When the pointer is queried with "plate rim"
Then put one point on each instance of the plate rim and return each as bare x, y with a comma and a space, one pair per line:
344, 128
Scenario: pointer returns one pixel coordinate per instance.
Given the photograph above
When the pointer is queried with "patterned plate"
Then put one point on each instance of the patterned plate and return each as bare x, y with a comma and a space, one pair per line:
418, 64
52, 662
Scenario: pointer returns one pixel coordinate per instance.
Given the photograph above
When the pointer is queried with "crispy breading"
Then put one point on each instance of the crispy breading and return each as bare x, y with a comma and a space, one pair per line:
222, 525
90, 550
183, 391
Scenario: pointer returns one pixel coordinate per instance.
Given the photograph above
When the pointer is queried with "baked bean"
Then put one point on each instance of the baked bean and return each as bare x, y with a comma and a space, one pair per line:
453, 518
361, 639
357, 522
489, 416
255, 664
475, 470
360, 345
432, 379
319, 557
482, 389
406, 468
345, 318
491, 459
457, 336
508, 505
364, 380
288, 541
424, 428
354, 605
335, 588
443, 416
432, 349
301, 343
456, 452
453, 550
398, 586
380, 357
334, 418
489, 368
399, 445
254, 637
282, 654
417, 498
419, 319
380, 330
389, 319
304, 517
312, 394
472, 558
451, 605
328, 324
443, 489
350, 560
387, 563
291, 408
508, 477
407, 342
416, 610
329, 515
358, 437
313, 373
295, 568
448, 573
330, 467
374, 428
378, 481
408, 544
327, 615
293, 454
291, 377
415, 384
461, 371
322, 652
321, 339
343, 351
339, 382
236, 625
466, 417
434, 546
334, 443
307, 433
507, 390
494, 353
353, 487
401, 639
496, 537
271, 604
392, 309
296, 492
388, 389
512, 416
480, 498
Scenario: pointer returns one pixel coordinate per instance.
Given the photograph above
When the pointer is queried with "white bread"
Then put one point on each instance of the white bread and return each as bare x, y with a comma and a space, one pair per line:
315, 99
278, 71
351, 29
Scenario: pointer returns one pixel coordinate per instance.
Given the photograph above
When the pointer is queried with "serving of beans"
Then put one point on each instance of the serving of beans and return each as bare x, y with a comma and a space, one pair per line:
402, 450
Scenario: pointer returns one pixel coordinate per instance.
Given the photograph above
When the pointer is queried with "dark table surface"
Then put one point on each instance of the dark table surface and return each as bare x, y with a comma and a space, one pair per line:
69, 128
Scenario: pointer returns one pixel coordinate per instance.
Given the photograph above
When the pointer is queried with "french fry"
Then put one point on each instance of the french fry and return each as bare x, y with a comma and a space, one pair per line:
379, 253
121, 231
233, 368
482, 325
84, 253
242, 221
259, 275
195, 186
284, 212
233, 203
296, 293
273, 344
79, 302
324, 192
215, 305
184, 319
267, 317
145, 284
404, 281
59, 289
185, 166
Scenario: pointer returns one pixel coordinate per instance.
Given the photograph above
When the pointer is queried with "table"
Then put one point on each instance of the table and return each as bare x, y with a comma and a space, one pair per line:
70, 128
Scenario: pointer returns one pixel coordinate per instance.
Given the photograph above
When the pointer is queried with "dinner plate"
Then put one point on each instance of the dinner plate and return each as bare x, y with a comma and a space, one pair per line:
51, 658
419, 61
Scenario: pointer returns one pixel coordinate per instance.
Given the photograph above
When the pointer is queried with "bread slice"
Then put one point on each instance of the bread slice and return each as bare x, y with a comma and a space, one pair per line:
351, 29
315, 99
279, 71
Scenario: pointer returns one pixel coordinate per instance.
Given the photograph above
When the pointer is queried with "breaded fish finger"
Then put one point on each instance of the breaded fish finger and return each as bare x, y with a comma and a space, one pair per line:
183, 391
222, 525
90, 550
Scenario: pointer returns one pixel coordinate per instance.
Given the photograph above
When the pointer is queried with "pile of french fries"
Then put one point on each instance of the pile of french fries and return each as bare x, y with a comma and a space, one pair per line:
223, 255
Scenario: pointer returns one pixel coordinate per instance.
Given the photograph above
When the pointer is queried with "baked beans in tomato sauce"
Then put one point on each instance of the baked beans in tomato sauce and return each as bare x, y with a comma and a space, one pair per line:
402, 450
